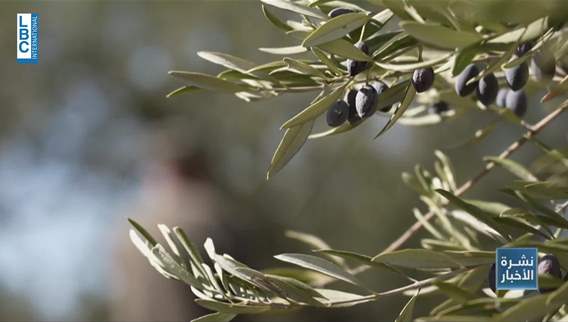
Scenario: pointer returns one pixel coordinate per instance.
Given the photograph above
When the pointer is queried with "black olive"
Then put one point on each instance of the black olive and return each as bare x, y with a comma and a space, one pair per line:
491, 278
462, 88
380, 87
337, 114
549, 265
354, 67
516, 101
439, 108
517, 76
422, 79
487, 89
366, 101
501, 99
350, 99
523, 48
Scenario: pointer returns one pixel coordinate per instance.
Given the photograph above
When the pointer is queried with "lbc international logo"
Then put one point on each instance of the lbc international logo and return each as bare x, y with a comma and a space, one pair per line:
516, 269
27, 43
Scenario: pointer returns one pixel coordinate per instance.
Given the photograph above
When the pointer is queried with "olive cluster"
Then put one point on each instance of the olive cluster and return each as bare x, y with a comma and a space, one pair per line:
487, 89
543, 67
548, 265
357, 104
362, 103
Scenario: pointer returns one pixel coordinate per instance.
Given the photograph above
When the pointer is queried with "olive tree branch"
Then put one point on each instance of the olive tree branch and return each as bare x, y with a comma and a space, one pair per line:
412, 286
531, 132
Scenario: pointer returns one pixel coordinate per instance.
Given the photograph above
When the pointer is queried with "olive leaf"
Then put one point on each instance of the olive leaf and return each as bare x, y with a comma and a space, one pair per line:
383, 17
482, 215
344, 48
337, 298
533, 30
208, 82
408, 310
335, 28
527, 310
226, 60
297, 291
274, 20
440, 36
542, 189
408, 97
413, 66
292, 141
182, 90
291, 6
398, 42
331, 64
302, 67
315, 109
336, 130
463, 58
291, 50
320, 265
513, 167
417, 258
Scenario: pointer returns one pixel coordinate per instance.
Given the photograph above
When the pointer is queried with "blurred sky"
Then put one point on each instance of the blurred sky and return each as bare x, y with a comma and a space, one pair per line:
81, 130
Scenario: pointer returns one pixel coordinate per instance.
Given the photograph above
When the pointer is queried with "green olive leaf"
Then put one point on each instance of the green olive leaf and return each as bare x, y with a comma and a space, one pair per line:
315, 109
226, 60
291, 50
463, 58
331, 64
344, 48
413, 66
408, 97
335, 28
398, 42
291, 6
208, 82
320, 265
408, 310
303, 68
417, 258
383, 17
533, 30
292, 141
182, 90
275, 20
336, 130
513, 167
440, 36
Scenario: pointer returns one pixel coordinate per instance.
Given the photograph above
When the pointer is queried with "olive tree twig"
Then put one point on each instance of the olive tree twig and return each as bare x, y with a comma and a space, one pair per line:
532, 131
412, 286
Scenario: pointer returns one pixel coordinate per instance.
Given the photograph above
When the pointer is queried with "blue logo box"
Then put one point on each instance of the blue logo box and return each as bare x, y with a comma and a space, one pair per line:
27, 42
516, 269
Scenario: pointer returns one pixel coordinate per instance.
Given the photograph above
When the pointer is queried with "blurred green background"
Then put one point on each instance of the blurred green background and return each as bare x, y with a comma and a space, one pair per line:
87, 139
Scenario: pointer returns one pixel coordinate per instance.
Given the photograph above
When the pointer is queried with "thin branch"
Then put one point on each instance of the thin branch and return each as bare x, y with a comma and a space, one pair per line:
533, 131
415, 285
